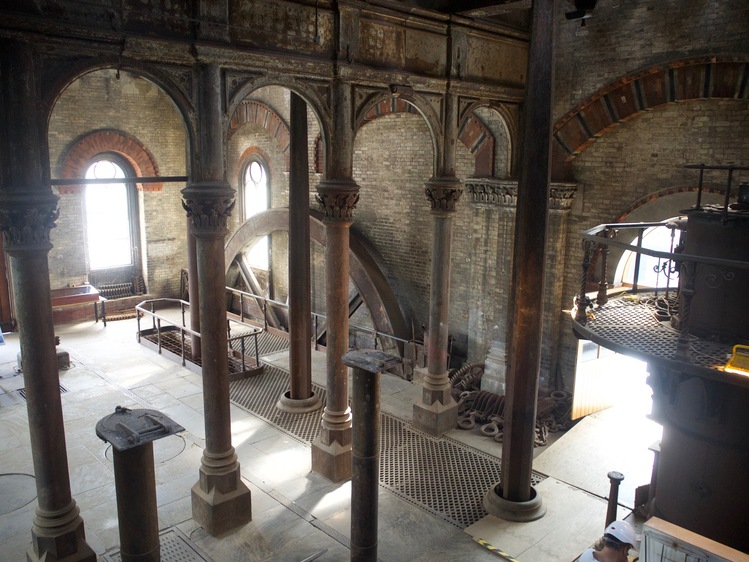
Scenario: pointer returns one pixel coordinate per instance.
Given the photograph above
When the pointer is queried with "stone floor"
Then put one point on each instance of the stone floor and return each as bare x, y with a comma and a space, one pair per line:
297, 514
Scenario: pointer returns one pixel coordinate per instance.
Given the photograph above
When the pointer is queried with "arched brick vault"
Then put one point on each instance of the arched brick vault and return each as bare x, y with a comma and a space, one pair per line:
629, 96
58, 76
78, 156
472, 133
255, 112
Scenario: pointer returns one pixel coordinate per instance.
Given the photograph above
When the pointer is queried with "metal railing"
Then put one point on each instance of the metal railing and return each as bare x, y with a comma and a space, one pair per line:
161, 323
377, 340
598, 240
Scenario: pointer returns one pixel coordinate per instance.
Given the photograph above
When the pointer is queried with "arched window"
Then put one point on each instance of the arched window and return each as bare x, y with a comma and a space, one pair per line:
255, 196
111, 215
653, 272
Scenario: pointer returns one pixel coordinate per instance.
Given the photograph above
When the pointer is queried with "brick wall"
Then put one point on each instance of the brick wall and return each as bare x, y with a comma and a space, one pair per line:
645, 155
625, 36
642, 157
137, 107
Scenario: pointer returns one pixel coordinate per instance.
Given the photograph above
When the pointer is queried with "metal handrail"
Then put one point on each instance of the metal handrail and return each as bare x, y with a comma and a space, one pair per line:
149, 307
316, 319
596, 233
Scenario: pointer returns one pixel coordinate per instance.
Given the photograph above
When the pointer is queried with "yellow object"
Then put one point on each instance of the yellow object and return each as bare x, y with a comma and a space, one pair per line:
495, 550
739, 361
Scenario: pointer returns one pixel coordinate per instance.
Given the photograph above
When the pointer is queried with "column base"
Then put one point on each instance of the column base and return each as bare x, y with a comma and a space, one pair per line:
65, 542
298, 406
332, 460
508, 510
221, 501
436, 419
419, 374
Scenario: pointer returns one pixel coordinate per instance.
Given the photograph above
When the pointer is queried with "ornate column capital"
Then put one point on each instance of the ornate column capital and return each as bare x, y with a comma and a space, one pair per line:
26, 219
443, 194
561, 196
338, 198
208, 205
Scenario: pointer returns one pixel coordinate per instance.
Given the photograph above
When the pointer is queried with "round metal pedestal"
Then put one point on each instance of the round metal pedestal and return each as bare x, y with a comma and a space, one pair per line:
508, 510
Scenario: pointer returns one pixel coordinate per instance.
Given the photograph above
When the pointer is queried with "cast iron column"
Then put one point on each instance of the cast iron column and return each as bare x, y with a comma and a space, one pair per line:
437, 412
220, 500
28, 211
300, 397
193, 291
365, 479
519, 500
338, 195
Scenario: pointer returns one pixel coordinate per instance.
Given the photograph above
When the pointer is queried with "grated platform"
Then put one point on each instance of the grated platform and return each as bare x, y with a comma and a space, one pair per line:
629, 323
440, 475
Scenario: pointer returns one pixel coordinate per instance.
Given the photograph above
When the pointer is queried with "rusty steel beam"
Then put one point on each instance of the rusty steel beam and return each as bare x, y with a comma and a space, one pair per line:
524, 353
300, 307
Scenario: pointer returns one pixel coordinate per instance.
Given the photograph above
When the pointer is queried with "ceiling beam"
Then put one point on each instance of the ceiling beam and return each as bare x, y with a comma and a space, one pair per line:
470, 7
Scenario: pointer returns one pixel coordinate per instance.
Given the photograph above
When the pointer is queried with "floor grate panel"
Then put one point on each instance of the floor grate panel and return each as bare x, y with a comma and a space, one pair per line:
630, 321
22, 391
175, 547
441, 476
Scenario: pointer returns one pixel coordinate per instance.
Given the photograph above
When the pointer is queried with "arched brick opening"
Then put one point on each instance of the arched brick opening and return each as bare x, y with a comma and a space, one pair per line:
80, 153
258, 113
472, 133
629, 96
662, 193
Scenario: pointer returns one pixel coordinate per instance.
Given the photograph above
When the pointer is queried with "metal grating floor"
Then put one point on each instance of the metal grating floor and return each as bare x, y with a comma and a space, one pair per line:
22, 391
175, 547
442, 476
630, 322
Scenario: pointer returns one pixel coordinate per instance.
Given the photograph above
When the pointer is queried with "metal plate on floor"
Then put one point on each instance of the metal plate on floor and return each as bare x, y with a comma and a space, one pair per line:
175, 547
16, 491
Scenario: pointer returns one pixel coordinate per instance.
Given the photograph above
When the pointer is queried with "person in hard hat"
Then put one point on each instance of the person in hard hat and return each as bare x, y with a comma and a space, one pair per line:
618, 539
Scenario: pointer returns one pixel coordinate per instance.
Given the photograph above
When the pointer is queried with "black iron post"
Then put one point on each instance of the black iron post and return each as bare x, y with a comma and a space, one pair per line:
365, 449
615, 478
131, 434
603, 285
135, 485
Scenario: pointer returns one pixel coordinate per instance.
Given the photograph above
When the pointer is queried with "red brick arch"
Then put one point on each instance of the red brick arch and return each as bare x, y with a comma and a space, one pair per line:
78, 157
662, 193
631, 95
472, 133
255, 112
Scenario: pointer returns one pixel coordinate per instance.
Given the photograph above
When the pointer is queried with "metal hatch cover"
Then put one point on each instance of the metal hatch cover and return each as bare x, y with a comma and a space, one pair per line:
126, 428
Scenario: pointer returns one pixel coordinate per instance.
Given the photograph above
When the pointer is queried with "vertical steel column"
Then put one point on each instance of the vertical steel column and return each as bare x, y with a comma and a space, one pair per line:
300, 397
365, 466
299, 253
337, 195
220, 500
28, 211
520, 500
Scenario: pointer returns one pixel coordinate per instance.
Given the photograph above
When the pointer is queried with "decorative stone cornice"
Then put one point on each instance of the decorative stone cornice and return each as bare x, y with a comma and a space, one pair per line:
443, 194
488, 191
504, 193
208, 205
26, 220
338, 199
